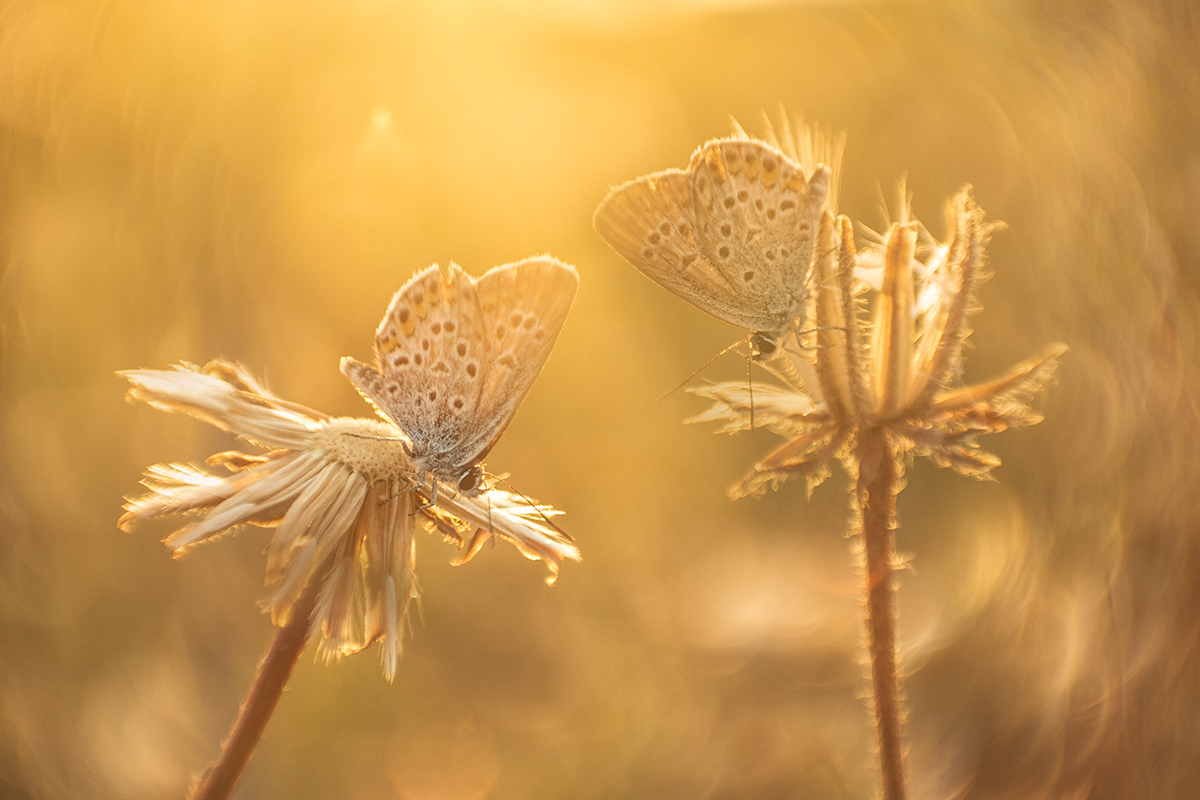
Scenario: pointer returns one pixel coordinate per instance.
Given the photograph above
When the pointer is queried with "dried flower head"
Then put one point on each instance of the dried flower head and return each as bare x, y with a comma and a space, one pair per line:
900, 373
341, 495
870, 394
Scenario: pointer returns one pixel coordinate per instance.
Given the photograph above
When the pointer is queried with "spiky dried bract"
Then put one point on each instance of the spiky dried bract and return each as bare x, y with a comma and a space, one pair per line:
959, 272
777, 408
524, 523
341, 495
805, 456
224, 395
903, 380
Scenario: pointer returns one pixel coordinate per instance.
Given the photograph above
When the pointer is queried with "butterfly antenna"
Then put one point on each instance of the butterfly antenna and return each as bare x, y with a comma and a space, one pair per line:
408, 451
688, 379
535, 507
750, 387
372, 438
491, 527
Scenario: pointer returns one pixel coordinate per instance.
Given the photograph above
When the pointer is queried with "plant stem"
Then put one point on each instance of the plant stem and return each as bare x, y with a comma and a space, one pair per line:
878, 474
273, 673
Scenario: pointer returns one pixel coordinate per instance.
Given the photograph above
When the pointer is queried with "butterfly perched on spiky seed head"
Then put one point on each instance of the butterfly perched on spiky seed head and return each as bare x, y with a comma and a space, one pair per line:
732, 234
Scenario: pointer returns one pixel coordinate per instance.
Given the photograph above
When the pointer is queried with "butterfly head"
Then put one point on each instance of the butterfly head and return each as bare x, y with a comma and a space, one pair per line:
470, 482
762, 346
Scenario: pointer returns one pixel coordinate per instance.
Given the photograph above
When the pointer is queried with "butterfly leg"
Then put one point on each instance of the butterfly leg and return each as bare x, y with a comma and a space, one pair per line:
416, 487
433, 495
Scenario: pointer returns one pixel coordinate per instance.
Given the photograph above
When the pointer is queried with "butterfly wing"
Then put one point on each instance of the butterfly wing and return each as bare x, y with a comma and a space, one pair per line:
650, 222
756, 218
431, 356
522, 309
456, 356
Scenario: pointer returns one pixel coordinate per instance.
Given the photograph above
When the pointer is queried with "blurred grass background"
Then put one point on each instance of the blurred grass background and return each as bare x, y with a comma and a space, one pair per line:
254, 179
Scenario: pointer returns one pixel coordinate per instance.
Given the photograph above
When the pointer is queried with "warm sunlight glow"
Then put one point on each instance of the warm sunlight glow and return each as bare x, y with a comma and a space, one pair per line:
252, 182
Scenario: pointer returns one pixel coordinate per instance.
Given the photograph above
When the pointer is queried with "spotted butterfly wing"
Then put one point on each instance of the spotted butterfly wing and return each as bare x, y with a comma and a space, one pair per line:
650, 223
756, 219
523, 307
732, 234
456, 356
417, 354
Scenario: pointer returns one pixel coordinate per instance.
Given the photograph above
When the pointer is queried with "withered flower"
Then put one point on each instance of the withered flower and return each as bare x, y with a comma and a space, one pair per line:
341, 496
899, 374
870, 394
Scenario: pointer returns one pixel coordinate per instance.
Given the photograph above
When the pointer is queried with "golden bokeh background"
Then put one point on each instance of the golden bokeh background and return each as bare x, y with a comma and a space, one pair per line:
252, 180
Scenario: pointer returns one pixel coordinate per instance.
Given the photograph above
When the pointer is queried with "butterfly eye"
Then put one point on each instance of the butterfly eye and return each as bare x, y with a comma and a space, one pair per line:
470, 480
762, 345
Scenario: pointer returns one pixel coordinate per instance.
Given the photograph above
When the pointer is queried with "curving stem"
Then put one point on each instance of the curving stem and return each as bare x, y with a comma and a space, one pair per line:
273, 673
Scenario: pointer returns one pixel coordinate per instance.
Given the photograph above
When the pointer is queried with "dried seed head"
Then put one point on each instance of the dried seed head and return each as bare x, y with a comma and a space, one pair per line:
370, 447
908, 379
335, 493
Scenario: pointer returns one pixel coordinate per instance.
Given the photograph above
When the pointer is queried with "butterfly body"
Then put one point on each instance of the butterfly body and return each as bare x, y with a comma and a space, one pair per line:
456, 355
733, 234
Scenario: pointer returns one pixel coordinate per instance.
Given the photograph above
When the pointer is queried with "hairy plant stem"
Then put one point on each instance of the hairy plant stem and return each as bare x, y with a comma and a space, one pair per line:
273, 673
877, 485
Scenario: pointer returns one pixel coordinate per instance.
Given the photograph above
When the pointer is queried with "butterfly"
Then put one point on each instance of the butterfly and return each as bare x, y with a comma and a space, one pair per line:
455, 357
732, 234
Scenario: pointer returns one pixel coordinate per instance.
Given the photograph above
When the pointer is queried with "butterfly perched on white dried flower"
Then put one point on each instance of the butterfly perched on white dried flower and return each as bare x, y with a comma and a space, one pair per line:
455, 357
343, 495
732, 234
